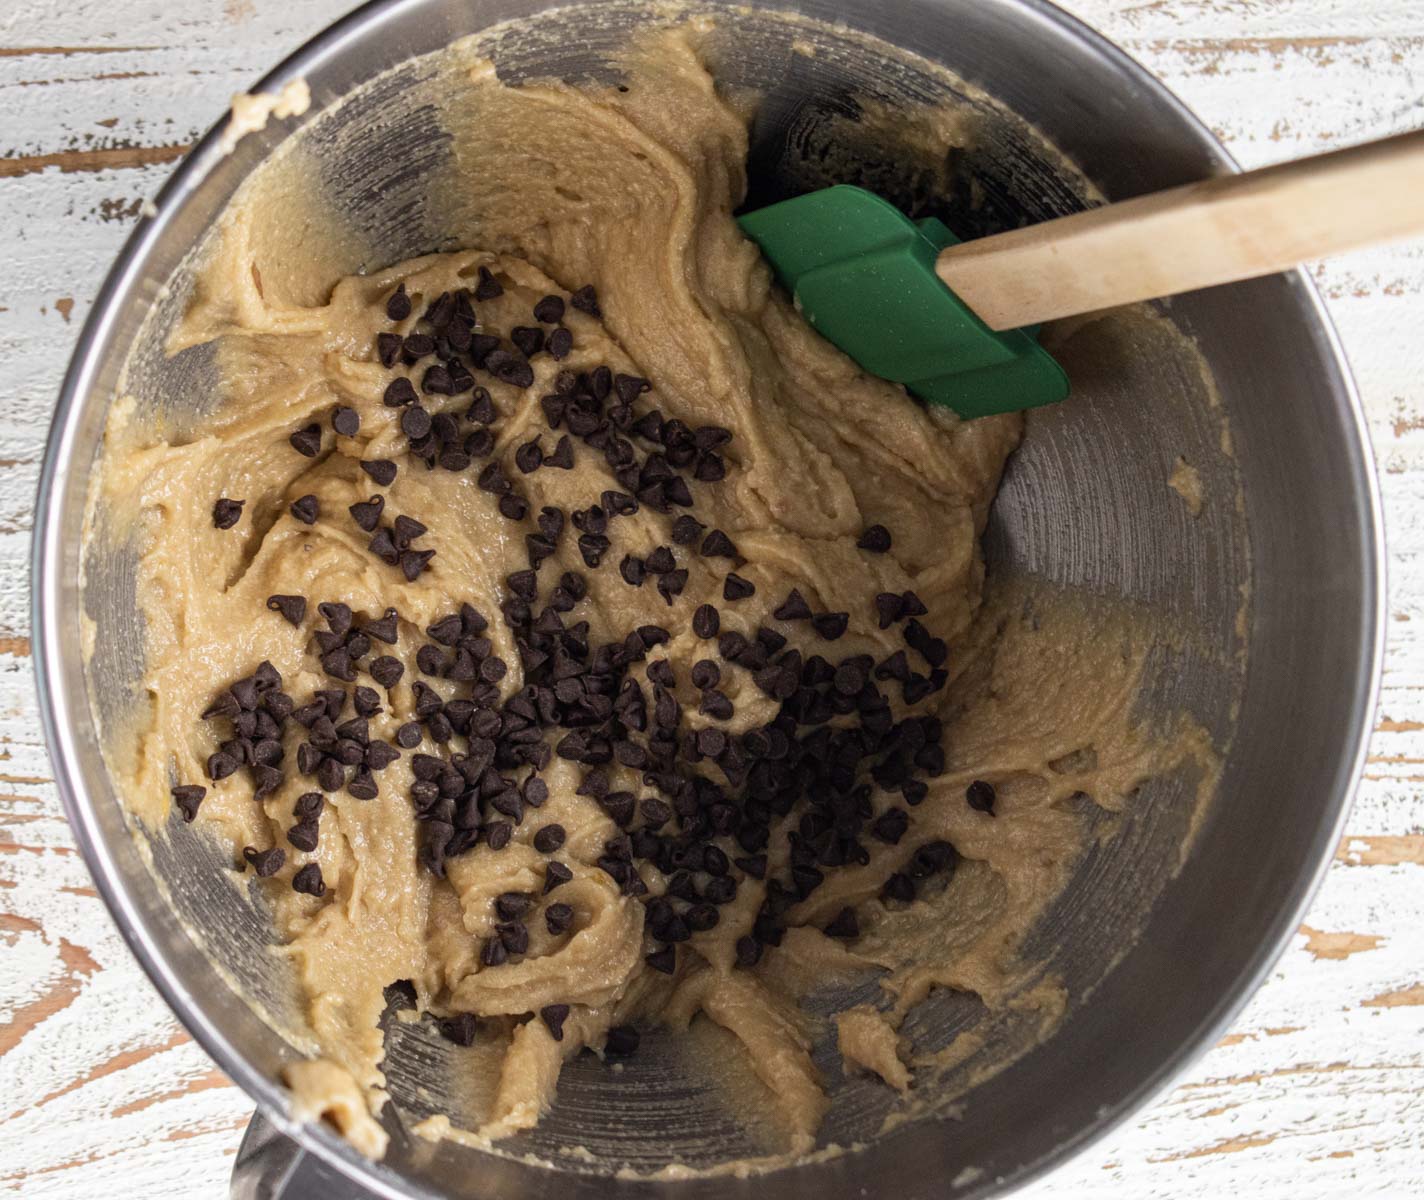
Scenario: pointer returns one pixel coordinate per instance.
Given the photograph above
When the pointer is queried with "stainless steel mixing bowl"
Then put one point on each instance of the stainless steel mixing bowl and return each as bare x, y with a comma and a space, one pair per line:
1156, 961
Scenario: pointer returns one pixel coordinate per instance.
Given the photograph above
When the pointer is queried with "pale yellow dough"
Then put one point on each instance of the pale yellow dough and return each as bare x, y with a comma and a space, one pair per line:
632, 192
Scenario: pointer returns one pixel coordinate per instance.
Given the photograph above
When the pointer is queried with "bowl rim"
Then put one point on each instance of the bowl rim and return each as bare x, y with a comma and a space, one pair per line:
50, 646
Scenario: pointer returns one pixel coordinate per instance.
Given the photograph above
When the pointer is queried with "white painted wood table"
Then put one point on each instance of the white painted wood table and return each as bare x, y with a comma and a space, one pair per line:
1319, 1089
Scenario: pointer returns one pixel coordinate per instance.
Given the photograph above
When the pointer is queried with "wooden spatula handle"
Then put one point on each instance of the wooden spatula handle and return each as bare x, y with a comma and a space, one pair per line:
1217, 231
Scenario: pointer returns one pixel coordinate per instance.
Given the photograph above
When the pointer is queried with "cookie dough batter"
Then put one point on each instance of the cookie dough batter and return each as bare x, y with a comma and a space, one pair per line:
827, 509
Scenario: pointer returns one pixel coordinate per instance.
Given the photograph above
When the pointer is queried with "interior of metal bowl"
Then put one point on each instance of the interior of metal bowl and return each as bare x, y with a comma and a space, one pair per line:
1282, 561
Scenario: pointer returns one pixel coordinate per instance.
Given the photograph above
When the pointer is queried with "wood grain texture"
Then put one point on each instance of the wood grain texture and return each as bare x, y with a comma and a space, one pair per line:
1318, 1091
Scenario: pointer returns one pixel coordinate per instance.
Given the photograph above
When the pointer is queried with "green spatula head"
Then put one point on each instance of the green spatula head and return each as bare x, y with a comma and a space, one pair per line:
862, 274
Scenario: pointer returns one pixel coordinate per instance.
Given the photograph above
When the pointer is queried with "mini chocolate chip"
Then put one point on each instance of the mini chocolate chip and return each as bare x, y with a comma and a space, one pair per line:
891, 825
932, 858
447, 630
686, 530
677, 492
549, 310
308, 881
488, 287
514, 935
346, 421
498, 833
461, 1029
710, 468
307, 440
413, 562
399, 392
380, 755
702, 917
549, 839
513, 369
753, 865
292, 608
585, 299
554, 1016
876, 539
227, 513
899, 887
510, 905
734, 587
265, 862
482, 410
718, 545
513, 508
415, 422
655, 813
417, 346
388, 348
843, 925
441, 311
661, 561
529, 339
563, 455
592, 547
524, 584
706, 674
716, 705
793, 608
711, 742
494, 954
381, 470
304, 834
559, 344
748, 951
890, 607
492, 479
386, 627
437, 381
366, 701
981, 796
221, 765
383, 546
408, 736
188, 796
554, 407
555, 875
558, 918
331, 774
932, 649
633, 570
367, 513
398, 304
664, 960
482, 345
529, 457
405, 530
306, 509
896, 666
830, 625
671, 584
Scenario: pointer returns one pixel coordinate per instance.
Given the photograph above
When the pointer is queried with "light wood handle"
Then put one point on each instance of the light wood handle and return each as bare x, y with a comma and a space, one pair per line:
1217, 231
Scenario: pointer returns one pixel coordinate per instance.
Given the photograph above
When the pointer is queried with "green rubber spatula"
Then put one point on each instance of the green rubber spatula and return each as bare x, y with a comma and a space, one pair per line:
956, 322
